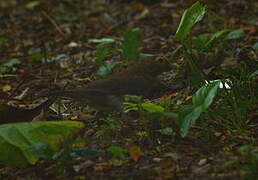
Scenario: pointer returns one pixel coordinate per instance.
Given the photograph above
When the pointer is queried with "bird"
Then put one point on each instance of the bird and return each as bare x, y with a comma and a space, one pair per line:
139, 78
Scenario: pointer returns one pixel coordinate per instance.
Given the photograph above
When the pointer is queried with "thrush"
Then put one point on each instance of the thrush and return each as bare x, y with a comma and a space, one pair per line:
139, 78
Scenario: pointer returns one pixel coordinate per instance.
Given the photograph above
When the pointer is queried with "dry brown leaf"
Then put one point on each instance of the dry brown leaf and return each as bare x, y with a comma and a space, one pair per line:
135, 153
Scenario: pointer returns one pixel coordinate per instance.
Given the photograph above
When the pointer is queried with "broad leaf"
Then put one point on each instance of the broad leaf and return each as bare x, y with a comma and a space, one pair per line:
107, 68
149, 107
200, 42
205, 42
20, 142
190, 17
131, 45
187, 118
236, 34
117, 151
202, 99
205, 95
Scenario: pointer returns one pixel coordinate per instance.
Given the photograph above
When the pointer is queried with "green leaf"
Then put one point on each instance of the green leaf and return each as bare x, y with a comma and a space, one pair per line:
107, 68
103, 40
4, 40
117, 151
41, 150
205, 95
245, 148
187, 118
149, 107
171, 115
8, 64
32, 4
84, 152
102, 51
236, 34
20, 142
205, 42
166, 131
199, 43
36, 57
11, 62
202, 99
7, 75
190, 17
255, 46
131, 44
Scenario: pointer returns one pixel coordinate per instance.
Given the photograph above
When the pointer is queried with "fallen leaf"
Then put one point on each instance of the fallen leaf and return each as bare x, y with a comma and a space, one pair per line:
169, 96
141, 133
202, 162
135, 153
6, 88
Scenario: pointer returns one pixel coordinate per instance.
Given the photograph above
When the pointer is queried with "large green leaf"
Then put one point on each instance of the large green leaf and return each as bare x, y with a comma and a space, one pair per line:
190, 17
202, 99
205, 42
131, 44
187, 118
18, 139
205, 95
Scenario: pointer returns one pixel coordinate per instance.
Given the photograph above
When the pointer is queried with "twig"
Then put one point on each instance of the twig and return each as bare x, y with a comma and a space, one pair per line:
54, 24
16, 89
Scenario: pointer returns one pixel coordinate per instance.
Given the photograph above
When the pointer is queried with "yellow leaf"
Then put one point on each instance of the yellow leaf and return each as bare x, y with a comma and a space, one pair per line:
141, 133
6, 88
188, 98
228, 148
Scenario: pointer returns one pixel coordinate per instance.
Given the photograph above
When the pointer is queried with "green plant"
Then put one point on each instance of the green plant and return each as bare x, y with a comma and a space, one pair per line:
238, 85
131, 45
111, 127
247, 161
7, 66
250, 159
191, 16
22, 144
176, 123
130, 49
117, 151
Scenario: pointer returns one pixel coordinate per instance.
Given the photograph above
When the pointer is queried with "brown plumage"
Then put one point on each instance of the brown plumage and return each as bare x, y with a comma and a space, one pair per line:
139, 78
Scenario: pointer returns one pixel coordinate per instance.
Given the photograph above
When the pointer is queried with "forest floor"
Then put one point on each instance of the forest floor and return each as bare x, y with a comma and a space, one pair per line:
50, 40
